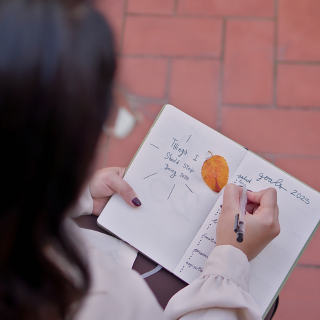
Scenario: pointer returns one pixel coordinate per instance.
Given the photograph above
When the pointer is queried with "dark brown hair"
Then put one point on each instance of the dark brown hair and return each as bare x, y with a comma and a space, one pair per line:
57, 63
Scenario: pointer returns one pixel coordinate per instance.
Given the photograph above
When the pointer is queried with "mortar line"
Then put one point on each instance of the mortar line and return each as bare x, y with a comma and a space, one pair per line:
289, 156
264, 107
310, 63
150, 56
275, 54
220, 95
124, 19
197, 16
168, 80
175, 9
309, 266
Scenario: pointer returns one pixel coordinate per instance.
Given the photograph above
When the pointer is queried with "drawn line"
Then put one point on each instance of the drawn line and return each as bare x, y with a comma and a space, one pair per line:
150, 175
189, 189
189, 138
154, 145
171, 192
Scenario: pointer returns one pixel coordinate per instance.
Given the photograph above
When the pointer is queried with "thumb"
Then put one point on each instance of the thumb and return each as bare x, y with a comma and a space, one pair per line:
122, 187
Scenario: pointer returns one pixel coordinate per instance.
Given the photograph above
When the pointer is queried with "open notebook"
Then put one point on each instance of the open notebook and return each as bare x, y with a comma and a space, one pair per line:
176, 224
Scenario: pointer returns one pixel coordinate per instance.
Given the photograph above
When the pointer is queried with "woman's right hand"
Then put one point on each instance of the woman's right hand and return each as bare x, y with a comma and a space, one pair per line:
262, 220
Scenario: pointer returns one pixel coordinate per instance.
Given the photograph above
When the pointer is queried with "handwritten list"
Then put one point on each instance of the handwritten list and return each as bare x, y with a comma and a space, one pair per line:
299, 215
166, 175
176, 224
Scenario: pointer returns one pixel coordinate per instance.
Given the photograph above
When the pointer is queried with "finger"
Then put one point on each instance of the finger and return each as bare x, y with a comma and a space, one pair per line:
122, 187
251, 207
277, 212
231, 199
265, 198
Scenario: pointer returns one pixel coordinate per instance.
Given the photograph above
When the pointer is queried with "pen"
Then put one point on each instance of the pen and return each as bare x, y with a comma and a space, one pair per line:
239, 223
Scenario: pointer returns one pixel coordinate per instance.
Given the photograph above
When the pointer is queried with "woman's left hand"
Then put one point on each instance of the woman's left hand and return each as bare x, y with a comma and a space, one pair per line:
105, 183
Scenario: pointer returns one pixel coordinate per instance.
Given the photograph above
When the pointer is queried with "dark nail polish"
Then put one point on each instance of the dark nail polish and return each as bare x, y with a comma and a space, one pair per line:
249, 190
221, 206
136, 202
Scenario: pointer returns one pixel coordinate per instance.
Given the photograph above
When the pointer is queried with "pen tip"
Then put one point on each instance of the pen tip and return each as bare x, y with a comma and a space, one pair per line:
240, 237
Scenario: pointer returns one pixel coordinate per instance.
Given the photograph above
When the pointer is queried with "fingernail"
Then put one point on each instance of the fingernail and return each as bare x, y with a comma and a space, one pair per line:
249, 190
136, 202
221, 206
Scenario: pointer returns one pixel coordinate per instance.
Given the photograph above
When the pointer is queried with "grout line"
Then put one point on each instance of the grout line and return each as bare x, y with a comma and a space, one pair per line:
306, 108
289, 156
140, 100
168, 80
124, 18
249, 18
310, 63
270, 156
275, 54
196, 16
256, 106
106, 148
286, 108
309, 266
175, 9
220, 94
150, 56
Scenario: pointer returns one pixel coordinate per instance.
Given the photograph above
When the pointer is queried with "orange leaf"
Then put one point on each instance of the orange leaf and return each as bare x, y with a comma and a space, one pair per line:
215, 172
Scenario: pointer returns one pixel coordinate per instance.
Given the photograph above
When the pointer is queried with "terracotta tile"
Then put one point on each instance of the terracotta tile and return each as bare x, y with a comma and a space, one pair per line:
154, 6
143, 76
311, 256
244, 8
248, 70
298, 85
188, 37
121, 152
299, 299
194, 88
298, 30
273, 131
306, 170
113, 10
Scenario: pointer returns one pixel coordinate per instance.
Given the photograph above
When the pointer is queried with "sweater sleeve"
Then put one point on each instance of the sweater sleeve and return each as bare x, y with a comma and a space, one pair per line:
84, 205
221, 292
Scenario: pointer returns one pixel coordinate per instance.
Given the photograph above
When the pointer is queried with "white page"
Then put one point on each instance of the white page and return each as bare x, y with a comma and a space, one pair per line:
173, 208
299, 215
192, 262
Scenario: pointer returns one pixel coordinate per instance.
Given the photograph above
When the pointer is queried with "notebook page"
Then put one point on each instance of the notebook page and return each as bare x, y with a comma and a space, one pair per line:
166, 175
299, 215
192, 262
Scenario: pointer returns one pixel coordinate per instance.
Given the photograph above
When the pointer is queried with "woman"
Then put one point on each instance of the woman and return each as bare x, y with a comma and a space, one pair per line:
57, 64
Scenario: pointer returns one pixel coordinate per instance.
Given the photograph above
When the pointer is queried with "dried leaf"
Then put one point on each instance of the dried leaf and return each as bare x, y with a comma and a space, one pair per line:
215, 172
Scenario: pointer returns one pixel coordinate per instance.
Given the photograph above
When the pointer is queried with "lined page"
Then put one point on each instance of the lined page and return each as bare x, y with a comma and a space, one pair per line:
166, 175
299, 215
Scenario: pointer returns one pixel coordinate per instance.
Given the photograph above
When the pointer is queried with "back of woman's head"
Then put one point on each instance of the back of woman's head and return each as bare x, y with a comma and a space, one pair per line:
56, 68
